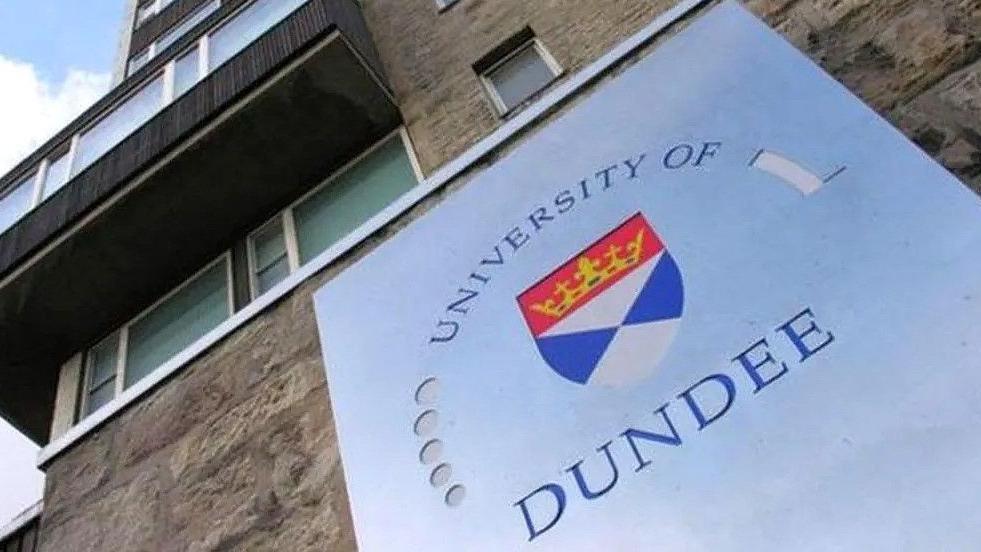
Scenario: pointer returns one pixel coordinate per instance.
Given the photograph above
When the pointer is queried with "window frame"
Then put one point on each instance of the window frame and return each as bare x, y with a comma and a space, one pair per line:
490, 88
122, 334
165, 99
285, 221
153, 48
86, 388
289, 223
153, 8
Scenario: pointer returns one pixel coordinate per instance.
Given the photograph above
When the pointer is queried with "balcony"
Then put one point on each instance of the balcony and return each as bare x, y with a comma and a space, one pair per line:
139, 210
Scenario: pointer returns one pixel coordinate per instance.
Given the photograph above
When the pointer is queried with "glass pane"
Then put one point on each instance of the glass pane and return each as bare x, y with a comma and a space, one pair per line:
120, 123
521, 76
186, 24
185, 72
272, 275
177, 322
268, 244
100, 396
138, 61
16, 202
352, 198
145, 12
102, 361
247, 26
57, 175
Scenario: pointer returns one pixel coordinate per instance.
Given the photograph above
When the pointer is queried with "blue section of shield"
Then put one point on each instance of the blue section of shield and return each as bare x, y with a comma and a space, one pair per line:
662, 297
574, 356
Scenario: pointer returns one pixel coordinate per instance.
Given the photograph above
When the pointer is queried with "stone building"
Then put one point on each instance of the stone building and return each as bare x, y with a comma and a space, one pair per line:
158, 255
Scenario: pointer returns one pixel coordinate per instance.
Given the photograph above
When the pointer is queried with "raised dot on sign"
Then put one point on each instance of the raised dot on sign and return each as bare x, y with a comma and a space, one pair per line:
441, 475
455, 496
426, 423
431, 451
427, 392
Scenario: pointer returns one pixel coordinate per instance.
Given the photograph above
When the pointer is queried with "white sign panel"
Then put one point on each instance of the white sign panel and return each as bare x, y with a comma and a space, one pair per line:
718, 305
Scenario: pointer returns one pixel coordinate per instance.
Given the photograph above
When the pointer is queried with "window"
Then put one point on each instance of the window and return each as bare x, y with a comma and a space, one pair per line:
270, 261
186, 72
246, 26
120, 123
186, 24
172, 35
443, 4
518, 75
16, 201
145, 11
139, 60
169, 327
353, 197
101, 367
57, 174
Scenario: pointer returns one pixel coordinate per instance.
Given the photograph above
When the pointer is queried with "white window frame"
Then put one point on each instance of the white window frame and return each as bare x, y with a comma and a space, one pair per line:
162, 73
289, 223
285, 221
498, 103
157, 7
153, 11
87, 375
123, 331
152, 48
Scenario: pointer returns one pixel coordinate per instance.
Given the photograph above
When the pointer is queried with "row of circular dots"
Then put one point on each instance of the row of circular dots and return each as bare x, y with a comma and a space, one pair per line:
432, 451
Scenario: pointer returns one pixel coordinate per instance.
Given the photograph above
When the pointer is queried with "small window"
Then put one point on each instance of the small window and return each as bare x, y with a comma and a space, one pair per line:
168, 328
16, 201
352, 197
518, 75
139, 60
186, 72
119, 123
145, 11
246, 26
269, 259
186, 24
101, 366
57, 174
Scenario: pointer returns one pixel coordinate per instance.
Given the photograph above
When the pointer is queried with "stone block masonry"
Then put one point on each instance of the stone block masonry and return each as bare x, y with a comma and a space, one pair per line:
238, 452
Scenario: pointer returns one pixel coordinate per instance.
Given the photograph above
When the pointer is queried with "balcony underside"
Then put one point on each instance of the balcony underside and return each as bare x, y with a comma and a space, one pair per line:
314, 113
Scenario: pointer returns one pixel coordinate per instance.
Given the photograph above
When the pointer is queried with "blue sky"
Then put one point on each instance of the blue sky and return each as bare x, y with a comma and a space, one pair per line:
55, 59
56, 35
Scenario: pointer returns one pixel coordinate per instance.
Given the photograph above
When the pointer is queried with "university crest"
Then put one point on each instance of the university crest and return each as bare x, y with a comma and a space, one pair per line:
608, 315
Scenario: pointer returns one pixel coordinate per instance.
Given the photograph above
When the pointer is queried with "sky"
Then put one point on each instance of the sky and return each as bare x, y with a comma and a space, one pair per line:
56, 59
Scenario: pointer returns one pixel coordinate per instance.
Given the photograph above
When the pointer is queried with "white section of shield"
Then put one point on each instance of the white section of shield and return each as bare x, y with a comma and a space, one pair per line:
610, 308
635, 353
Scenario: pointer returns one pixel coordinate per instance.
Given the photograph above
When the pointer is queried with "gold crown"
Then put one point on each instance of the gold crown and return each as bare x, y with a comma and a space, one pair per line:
591, 273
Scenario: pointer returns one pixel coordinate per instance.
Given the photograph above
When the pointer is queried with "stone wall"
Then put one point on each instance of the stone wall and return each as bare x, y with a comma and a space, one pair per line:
238, 451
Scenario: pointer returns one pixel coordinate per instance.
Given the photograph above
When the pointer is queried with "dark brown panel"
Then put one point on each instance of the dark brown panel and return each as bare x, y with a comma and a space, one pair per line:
344, 14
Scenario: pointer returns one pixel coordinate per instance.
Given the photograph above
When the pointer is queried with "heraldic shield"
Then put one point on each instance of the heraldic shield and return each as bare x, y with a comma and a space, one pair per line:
608, 315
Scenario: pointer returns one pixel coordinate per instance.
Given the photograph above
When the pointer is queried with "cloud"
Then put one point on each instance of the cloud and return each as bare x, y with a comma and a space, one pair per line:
33, 109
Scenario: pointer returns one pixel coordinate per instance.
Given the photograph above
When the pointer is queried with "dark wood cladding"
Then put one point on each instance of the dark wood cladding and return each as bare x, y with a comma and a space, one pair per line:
170, 16
345, 15
174, 123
